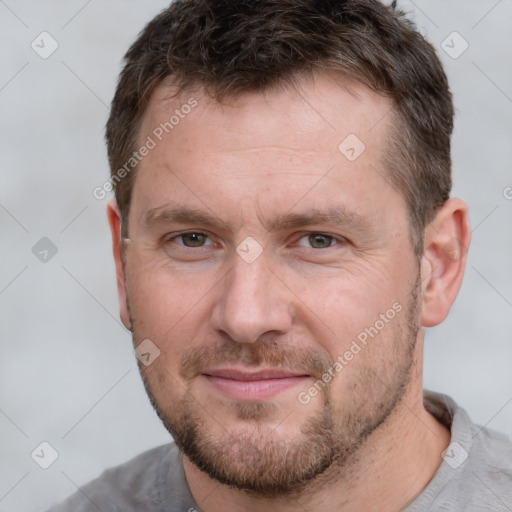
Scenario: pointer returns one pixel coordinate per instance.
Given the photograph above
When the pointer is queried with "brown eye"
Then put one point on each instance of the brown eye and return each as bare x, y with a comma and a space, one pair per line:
192, 239
319, 241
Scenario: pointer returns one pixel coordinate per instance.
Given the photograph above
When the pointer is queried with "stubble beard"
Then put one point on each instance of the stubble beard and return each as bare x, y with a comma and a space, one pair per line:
255, 459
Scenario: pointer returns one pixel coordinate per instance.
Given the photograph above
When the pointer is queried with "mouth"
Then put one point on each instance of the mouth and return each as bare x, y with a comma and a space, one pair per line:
242, 384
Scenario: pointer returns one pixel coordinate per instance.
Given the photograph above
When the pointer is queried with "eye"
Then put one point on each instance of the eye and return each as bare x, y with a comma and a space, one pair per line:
190, 246
191, 239
318, 241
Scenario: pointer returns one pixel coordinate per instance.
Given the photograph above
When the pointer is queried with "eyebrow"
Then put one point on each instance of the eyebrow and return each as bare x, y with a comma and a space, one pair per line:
336, 216
183, 215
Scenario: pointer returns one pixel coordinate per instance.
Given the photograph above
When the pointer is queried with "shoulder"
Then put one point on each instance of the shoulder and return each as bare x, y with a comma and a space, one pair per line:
481, 478
489, 464
476, 472
134, 485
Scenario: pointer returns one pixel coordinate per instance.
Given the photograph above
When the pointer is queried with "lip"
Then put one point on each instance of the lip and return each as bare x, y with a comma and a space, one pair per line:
253, 385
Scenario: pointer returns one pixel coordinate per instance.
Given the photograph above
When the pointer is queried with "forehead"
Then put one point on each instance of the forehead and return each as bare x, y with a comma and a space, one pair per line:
315, 104
319, 140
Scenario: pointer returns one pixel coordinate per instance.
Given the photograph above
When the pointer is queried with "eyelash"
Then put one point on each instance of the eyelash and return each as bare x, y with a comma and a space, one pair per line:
175, 237
336, 240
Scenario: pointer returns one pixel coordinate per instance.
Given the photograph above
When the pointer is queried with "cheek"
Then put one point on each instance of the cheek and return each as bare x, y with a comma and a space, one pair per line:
370, 358
346, 304
164, 304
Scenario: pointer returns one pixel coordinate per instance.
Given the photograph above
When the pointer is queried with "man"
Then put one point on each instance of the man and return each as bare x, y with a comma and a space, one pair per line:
283, 233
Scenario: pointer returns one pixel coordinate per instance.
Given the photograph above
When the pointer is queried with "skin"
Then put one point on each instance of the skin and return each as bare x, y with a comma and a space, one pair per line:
295, 307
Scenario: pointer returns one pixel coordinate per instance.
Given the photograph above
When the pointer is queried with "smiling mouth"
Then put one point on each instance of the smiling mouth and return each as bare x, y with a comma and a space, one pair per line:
253, 386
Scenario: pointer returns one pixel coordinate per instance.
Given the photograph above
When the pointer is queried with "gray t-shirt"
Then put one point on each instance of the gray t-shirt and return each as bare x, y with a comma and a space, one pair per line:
476, 475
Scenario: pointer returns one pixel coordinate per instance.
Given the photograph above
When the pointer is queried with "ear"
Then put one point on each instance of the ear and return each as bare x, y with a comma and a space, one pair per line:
447, 240
114, 220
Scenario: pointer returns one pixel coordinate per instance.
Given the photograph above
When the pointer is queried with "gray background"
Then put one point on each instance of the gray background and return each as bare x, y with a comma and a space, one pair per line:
68, 374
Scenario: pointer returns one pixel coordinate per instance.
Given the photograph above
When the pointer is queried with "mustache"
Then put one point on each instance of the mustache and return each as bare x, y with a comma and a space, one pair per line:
259, 354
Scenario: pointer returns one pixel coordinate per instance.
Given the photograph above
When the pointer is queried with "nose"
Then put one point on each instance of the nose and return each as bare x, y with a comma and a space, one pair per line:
252, 301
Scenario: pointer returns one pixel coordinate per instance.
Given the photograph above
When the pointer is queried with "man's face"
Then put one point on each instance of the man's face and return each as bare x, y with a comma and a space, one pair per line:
250, 329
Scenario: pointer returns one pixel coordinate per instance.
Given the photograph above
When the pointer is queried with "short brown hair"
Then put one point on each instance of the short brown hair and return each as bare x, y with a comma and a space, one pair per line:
228, 47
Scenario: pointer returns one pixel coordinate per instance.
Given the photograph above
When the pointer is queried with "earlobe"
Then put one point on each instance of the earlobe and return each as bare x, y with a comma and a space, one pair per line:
447, 240
114, 220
